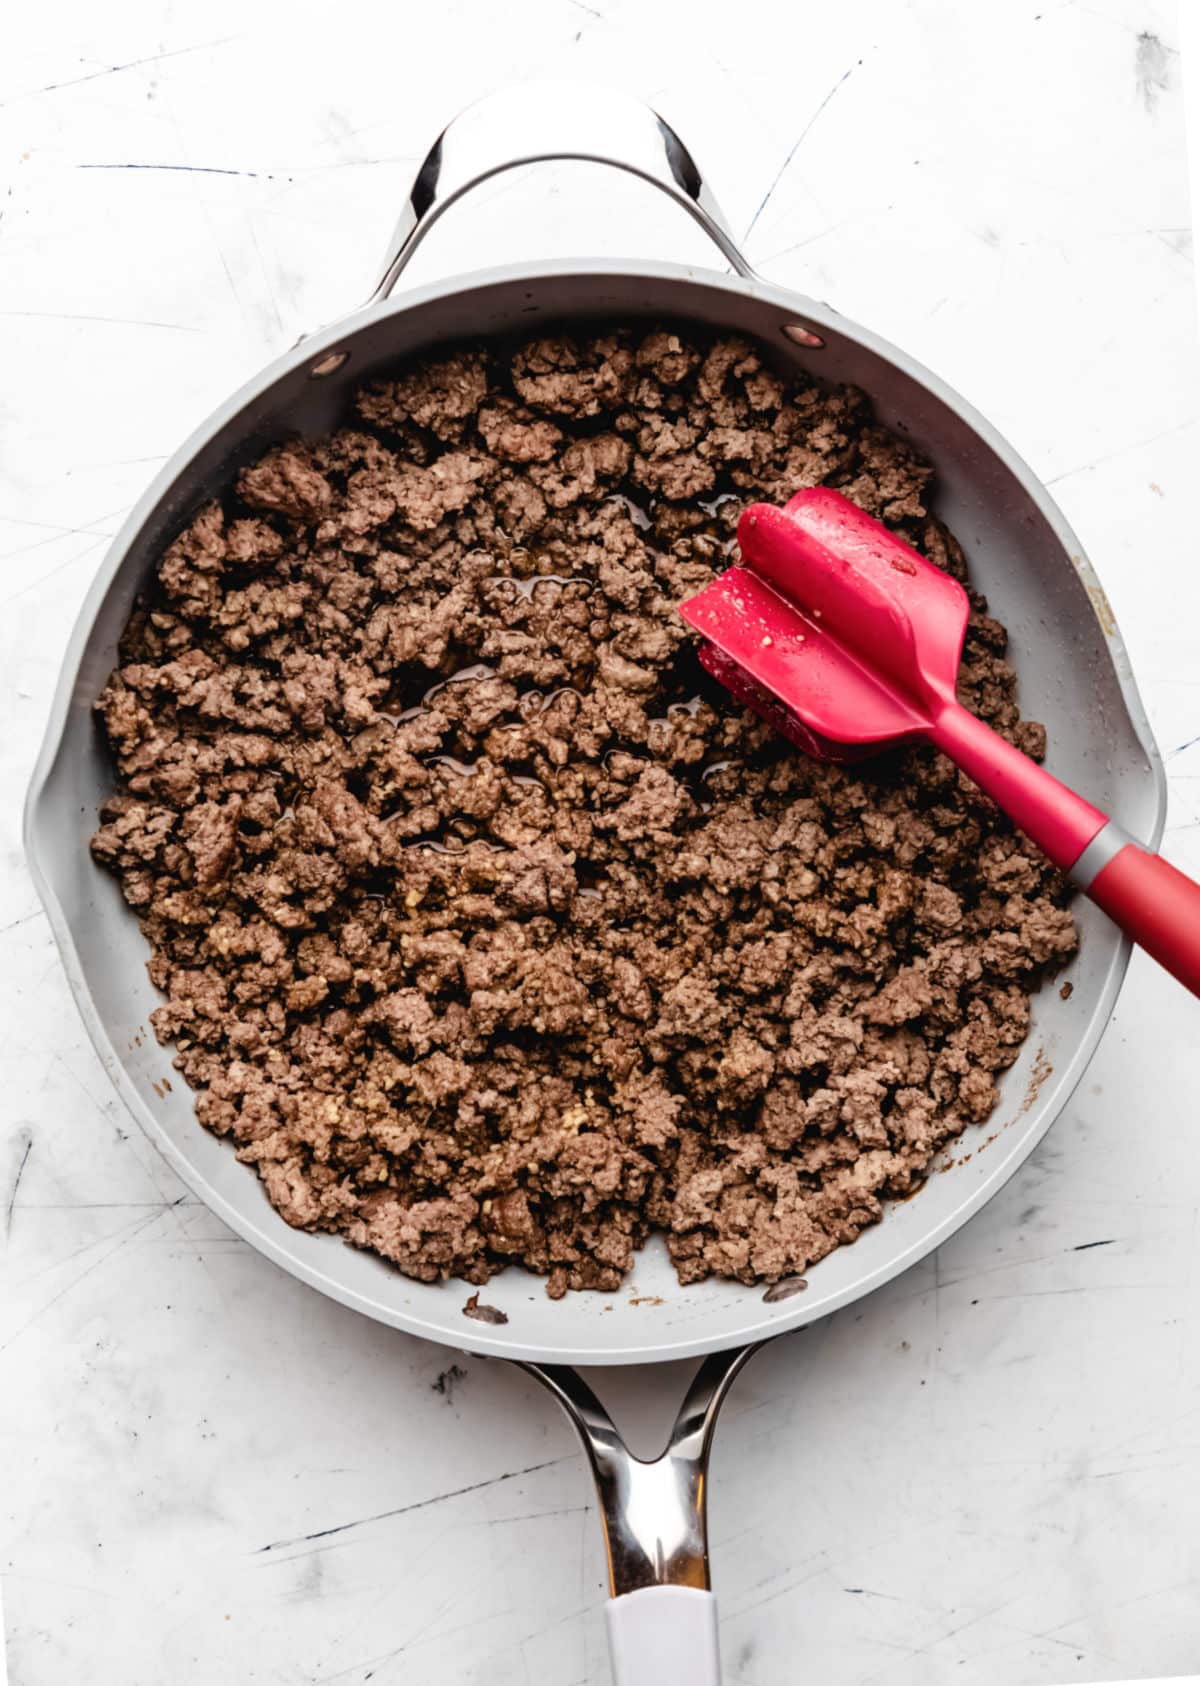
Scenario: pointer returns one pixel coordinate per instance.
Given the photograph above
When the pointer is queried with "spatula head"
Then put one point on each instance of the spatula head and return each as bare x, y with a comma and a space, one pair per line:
835, 630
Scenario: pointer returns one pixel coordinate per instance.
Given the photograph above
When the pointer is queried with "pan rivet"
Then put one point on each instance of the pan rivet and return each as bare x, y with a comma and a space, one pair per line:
328, 364
803, 336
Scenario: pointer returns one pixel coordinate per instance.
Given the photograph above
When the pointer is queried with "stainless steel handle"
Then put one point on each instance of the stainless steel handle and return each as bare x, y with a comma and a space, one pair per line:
536, 122
655, 1525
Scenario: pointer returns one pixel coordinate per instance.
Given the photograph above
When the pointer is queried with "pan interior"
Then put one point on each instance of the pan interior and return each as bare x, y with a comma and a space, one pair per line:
1073, 674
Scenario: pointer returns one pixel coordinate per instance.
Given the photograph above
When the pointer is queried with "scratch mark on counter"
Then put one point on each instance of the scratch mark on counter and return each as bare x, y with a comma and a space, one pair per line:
1086, 1246
979, 1272
374, 1664
537, 1515
267, 283
590, 10
789, 1586
809, 240
796, 145
23, 920
113, 1206
404, 1510
116, 321
1134, 445
122, 462
1177, 240
57, 1582
42, 578
116, 69
58, 1265
25, 1134
54, 527
88, 527
129, 1236
1048, 1293
189, 169
389, 162
214, 235
54, 537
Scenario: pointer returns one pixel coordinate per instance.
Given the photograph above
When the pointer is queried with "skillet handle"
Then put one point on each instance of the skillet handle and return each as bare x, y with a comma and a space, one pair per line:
662, 1619
533, 123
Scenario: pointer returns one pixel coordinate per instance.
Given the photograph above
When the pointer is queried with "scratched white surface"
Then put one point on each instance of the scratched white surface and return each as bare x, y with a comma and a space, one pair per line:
989, 1473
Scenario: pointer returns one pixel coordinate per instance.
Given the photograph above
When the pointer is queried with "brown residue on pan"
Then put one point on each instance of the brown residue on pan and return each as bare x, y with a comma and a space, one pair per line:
484, 1313
910, 1194
1040, 1071
647, 1299
1103, 608
949, 1163
1038, 1074
785, 1289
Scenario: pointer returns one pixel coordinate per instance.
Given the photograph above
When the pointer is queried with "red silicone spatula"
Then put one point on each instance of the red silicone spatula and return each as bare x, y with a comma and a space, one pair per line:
847, 641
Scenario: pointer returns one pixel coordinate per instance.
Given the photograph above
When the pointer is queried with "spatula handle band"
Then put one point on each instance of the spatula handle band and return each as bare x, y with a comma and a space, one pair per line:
1155, 904
1058, 820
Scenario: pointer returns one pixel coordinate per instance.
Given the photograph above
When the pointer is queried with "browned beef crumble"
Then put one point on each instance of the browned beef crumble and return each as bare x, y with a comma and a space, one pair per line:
491, 930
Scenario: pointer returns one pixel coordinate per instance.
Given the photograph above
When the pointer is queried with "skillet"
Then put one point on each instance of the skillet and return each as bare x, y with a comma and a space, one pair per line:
1073, 670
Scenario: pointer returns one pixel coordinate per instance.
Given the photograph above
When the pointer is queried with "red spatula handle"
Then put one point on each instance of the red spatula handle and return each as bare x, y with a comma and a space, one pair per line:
1058, 820
1155, 904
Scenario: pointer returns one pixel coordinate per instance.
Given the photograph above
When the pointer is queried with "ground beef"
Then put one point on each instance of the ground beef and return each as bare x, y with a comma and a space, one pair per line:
490, 929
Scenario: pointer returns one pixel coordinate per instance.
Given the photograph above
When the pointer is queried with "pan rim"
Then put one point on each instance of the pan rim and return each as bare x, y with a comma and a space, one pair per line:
762, 1322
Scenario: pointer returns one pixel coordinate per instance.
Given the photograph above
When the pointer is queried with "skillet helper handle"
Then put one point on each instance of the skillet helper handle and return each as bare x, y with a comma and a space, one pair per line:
539, 122
1153, 902
664, 1636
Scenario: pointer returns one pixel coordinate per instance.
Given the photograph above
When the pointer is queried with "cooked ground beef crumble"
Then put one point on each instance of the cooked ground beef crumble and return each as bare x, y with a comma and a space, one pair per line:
490, 929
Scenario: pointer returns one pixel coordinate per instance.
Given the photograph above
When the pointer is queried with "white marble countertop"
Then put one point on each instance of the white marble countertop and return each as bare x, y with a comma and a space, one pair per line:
990, 1472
